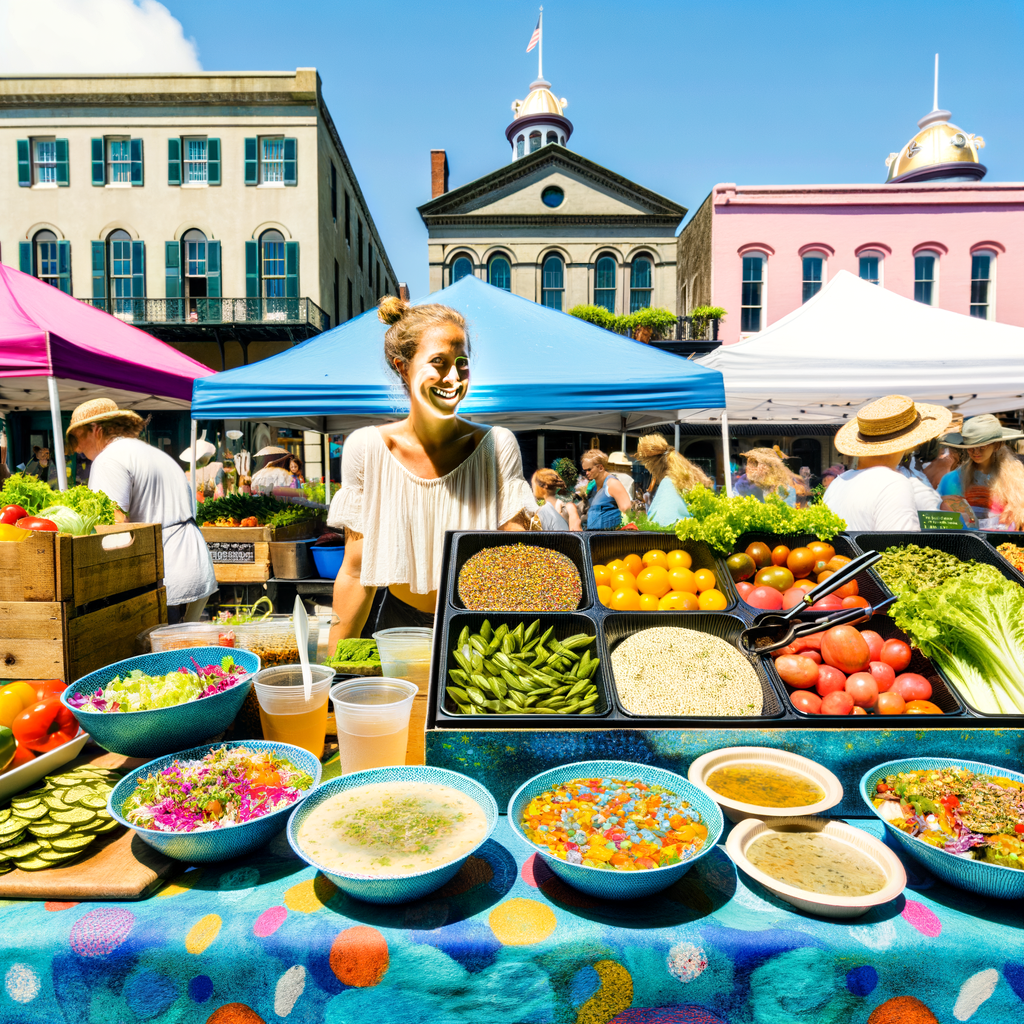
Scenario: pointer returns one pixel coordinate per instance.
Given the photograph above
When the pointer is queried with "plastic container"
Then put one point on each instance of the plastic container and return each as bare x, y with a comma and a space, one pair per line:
327, 560
405, 654
373, 721
285, 714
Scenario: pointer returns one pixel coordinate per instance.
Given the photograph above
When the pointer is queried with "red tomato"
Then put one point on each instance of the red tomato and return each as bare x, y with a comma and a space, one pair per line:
829, 680
922, 707
828, 603
10, 514
797, 671
35, 523
792, 597
883, 675
810, 642
896, 653
861, 686
815, 656
800, 562
780, 554
804, 700
910, 686
45, 726
848, 589
744, 588
874, 641
891, 703
845, 649
765, 598
837, 703
855, 602
858, 710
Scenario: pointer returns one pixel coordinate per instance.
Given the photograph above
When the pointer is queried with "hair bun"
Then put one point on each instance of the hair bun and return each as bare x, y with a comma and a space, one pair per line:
391, 309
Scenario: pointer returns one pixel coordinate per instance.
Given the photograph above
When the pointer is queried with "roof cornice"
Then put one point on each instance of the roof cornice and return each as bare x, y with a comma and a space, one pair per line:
644, 220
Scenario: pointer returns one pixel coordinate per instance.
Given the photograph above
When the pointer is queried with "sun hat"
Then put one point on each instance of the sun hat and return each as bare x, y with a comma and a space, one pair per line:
979, 430
891, 424
203, 449
101, 410
271, 449
619, 459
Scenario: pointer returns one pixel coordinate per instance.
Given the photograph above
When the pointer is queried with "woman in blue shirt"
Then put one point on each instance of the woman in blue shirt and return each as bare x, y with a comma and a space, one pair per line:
671, 477
610, 499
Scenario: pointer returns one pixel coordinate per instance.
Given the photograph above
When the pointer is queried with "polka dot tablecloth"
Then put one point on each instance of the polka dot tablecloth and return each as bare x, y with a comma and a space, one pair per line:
268, 940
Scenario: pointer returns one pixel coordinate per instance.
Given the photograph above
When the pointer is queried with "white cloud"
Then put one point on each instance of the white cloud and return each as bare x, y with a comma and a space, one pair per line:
83, 36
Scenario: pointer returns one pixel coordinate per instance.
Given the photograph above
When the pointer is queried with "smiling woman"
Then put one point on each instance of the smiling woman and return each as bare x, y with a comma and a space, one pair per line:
404, 484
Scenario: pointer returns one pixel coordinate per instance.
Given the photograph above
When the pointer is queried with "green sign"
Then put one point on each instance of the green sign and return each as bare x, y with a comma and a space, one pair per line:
940, 520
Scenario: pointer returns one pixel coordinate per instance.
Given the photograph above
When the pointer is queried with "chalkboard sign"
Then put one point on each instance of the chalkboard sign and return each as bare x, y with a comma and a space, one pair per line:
936, 521
233, 552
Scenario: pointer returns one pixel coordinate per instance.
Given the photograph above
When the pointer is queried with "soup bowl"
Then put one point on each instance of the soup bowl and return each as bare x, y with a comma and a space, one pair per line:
393, 888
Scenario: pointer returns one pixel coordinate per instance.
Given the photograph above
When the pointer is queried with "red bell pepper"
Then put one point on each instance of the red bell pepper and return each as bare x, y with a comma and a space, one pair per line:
46, 688
35, 523
45, 726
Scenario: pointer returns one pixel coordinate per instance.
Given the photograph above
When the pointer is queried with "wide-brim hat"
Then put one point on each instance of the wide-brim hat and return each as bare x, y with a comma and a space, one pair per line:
271, 449
979, 430
891, 424
619, 459
101, 410
203, 449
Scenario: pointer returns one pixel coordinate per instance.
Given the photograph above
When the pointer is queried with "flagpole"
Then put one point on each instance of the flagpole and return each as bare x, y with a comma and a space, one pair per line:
540, 46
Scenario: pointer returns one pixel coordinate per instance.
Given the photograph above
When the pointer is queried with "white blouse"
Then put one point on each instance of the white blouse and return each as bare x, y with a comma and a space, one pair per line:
403, 517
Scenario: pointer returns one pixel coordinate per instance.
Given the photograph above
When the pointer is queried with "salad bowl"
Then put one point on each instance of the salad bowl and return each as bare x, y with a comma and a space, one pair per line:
162, 730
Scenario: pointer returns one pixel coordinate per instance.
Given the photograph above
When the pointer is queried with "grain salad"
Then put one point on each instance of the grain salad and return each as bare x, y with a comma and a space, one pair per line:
519, 578
669, 670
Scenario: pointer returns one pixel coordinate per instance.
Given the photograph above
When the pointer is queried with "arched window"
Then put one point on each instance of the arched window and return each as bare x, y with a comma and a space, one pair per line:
807, 452
499, 273
553, 283
563, 141
121, 270
520, 146
752, 298
461, 268
193, 244
534, 141
640, 284
604, 282
870, 266
272, 274
983, 298
46, 263
552, 139
813, 274
926, 267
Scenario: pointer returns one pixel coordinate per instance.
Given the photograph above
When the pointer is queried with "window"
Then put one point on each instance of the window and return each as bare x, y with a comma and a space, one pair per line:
462, 267
115, 161
272, 162
119, 161
337, 294
272, 264
752, 299
195, 253
348, 219
869, 269
350, 307
49, 260
981, 286
520, 146
604, 283
552, 139
378, 280
499, 273
121, 273
42, 162
534, 141
640, 284
924, 279
334, 199
45, 161
359, 240
812, 271
553, 282
552, 196
196, 169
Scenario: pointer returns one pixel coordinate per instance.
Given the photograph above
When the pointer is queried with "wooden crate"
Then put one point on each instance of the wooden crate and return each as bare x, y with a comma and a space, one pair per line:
50, 567
241, 554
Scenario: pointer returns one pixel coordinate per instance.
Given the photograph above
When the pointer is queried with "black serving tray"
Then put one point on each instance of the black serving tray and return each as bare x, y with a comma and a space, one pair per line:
995, 538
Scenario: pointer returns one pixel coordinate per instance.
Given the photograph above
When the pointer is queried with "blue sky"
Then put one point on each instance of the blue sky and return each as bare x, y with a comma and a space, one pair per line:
673, 94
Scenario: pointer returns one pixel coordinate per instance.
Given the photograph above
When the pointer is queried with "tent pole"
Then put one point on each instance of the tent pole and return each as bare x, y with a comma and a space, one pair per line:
327, 468
58, 434
541, 460
725, 454
192, 467
676, 438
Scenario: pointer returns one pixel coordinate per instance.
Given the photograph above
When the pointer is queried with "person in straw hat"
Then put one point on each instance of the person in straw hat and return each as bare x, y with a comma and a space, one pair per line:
671, 477
875, 496
990, 481
621, 468
149, 487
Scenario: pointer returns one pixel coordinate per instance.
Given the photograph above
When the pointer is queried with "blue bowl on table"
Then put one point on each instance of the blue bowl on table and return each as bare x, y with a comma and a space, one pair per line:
163, 730
973, 875
327, 560
607, 883
397, 888
218, 843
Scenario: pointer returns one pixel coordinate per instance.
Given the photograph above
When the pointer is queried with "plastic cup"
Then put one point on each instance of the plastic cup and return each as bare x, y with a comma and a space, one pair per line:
405, 654
373, 721
284, 713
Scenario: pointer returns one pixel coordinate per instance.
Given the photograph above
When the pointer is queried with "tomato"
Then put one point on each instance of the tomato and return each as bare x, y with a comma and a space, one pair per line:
765, 598
822, 551
847, 590
625, 599
45, 726
792, 597
22, 755
655, 557
712, 601
845, 649
861, 686
891, 703
828, 603
815, 656
856, 602
822, 576
910, 686
858, 710
744, 589
741, 566
829, 680
837, 703
874, 641
800, 562
837, 562
896, 653
604, 595
601, 575
804, 700
797, 671
35, 523
683, 579
11, 705
804, 584
653, 580
820, 566
922, 707
10, 514
780, 554
679, 559
648, 603
679, 601
760, 553
776, 576
633, 563
705, 580
882, 674
622, 578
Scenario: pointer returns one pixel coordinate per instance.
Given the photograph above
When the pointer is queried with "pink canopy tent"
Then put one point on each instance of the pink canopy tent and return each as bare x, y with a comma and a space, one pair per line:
55, 350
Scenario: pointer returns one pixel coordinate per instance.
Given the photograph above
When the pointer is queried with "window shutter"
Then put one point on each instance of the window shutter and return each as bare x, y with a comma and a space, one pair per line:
251, 163
63, 177
138, 269
64, 266
136, 154
99, 268
291, 270
213, 161
174, 161
24, 164
252, 265
99, 167
290, 149
25, 257
213, 288
172, 269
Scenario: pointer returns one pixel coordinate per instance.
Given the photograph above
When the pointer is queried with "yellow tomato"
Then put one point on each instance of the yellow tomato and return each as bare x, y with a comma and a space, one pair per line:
648, 603
705, 580
11, 706
625, 600
616, 564
683, 579
604, 595
653, 580
622, 578
601, 575
633, 564
655, 557
26, 691
712, 601
678, 601
679, 559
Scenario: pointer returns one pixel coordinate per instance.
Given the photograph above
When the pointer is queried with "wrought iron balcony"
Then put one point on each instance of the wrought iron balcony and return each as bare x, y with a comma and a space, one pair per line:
693, 337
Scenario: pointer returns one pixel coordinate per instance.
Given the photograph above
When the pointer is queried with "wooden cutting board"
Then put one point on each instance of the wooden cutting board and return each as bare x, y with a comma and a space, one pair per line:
118, 866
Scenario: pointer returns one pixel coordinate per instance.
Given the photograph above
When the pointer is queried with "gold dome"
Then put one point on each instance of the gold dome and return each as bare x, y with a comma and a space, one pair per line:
541, 100
940, 150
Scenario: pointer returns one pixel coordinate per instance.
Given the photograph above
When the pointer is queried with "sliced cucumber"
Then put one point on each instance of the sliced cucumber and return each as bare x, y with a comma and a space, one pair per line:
34, 813
22, 850
72, 842
12, 825
74, 816
33, 864
49, 829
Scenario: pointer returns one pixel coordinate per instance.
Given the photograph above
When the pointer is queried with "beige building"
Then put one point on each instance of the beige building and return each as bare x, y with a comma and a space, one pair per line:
553, 226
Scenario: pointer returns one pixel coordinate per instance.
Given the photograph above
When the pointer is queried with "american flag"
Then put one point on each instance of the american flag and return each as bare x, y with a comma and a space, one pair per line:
535, 38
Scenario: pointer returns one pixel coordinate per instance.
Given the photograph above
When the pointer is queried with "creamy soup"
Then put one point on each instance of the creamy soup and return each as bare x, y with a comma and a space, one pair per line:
386, 829
764, 786
815, 863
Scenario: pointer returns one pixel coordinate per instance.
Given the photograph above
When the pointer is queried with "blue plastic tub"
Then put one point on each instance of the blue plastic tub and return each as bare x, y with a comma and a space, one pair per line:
328, 560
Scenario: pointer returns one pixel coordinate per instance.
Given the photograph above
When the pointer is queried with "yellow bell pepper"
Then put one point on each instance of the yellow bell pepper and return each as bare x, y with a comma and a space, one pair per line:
8, 532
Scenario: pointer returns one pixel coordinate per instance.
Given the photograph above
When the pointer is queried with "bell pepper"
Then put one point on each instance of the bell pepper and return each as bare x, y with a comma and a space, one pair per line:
21, 756
16, 697
45, 726
8, 747
11, 514
11, 533
35, 523
46, 688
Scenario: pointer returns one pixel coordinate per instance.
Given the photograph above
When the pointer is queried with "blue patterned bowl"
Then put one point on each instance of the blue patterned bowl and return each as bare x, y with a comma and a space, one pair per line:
972, 875
162, 730
406, 887
607, 883
220, 843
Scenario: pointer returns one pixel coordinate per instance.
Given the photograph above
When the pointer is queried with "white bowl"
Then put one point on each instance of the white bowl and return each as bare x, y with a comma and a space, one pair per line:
744, 834
735, 810
17, 779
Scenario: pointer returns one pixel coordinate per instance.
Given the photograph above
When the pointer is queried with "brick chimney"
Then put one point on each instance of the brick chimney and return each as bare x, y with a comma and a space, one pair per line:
438, 173
403, 291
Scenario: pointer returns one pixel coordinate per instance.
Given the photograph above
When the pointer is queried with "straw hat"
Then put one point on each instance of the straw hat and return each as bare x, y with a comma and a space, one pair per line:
271, 449
102, 410
891, 424
979, 430
620, 459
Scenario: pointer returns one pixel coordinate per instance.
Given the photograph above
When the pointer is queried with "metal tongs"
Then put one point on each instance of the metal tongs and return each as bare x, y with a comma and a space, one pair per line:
781, 635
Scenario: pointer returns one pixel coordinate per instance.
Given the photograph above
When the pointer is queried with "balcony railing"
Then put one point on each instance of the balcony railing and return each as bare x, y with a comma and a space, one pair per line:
217, 312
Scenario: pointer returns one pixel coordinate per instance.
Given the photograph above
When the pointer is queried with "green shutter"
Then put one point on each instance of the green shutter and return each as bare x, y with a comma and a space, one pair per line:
213, 288
252, 265
99, 270
138, 269
174, 161
24, 164
99, 167
252, 169
172, 270
213, 161
291, 270
25, 257
136, 155
64, 267
290, 149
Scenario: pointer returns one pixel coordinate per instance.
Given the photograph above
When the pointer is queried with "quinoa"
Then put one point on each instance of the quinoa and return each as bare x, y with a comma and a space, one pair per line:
520, 578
